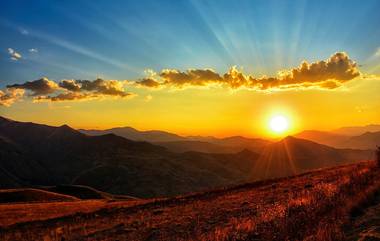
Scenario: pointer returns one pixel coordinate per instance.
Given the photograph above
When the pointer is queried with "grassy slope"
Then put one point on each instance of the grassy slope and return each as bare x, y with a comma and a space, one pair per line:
311, 205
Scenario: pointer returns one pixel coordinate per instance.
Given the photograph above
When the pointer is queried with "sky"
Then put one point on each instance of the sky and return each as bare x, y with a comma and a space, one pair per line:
191, 67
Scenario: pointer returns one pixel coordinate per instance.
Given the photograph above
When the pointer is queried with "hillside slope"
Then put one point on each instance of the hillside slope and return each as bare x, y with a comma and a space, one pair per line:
310, 206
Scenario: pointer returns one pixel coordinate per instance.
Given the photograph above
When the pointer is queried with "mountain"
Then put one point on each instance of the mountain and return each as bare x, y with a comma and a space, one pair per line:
136, 135
292, 156
323, 137
176, 143
366, 141
34, 155
40, 155
356, 130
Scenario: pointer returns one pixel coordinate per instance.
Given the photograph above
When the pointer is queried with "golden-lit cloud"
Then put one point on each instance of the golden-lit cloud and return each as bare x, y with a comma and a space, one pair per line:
69, 96
325, 74
9, 96
70, 90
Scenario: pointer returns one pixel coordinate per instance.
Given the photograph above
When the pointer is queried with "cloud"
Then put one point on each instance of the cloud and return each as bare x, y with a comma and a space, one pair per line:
41, 86
14, 55
68, 96
330, 74
148, 82
70, 90
98, 86
198, 77
70, 85
32, 50
9, 96
325, 74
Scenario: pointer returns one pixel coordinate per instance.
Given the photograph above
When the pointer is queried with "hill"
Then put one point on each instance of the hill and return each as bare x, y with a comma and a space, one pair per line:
311, 206
84, 192
29, 195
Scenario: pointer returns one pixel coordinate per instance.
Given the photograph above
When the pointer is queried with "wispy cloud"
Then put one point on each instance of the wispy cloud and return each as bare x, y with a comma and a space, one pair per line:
33, 50
14, 55
24, 31
377, 53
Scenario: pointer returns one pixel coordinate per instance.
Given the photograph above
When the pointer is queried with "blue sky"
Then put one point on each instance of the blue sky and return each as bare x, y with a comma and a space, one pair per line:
89, 39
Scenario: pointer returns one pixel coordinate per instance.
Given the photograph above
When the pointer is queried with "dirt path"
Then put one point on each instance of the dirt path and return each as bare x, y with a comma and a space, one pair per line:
366, 226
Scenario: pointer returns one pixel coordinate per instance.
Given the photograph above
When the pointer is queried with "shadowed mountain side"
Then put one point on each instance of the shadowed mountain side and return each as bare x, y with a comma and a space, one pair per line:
207, 147
35, 154
292, 156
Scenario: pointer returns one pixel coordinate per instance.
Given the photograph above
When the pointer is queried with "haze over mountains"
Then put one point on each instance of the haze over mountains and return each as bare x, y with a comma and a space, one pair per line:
177, 143
33, 155
363, 141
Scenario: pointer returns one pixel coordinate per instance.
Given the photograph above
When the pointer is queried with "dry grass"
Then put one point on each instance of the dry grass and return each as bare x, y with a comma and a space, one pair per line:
311, 206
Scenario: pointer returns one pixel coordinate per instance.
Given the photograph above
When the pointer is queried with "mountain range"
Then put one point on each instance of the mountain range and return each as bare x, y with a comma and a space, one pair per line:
363, 141
40, 155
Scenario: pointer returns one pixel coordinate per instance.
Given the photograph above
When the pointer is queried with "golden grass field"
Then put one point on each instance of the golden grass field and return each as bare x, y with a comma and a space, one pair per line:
313, 206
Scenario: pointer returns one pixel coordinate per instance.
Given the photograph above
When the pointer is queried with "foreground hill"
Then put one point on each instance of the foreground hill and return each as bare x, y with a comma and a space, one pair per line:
312, 206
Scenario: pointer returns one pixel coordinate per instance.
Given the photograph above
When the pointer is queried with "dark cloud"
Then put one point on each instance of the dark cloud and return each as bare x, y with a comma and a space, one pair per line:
98, 86
197, 77
70, 85
68, 90
41, 86
148, 82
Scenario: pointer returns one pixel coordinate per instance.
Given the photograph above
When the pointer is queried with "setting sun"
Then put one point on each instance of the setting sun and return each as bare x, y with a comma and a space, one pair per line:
279, 124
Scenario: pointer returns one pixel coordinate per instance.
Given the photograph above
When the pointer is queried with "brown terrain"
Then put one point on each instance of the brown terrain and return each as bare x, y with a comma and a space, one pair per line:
318, 205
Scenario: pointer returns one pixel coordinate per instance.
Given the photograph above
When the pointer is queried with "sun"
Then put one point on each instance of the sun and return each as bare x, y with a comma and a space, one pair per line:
279, 123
